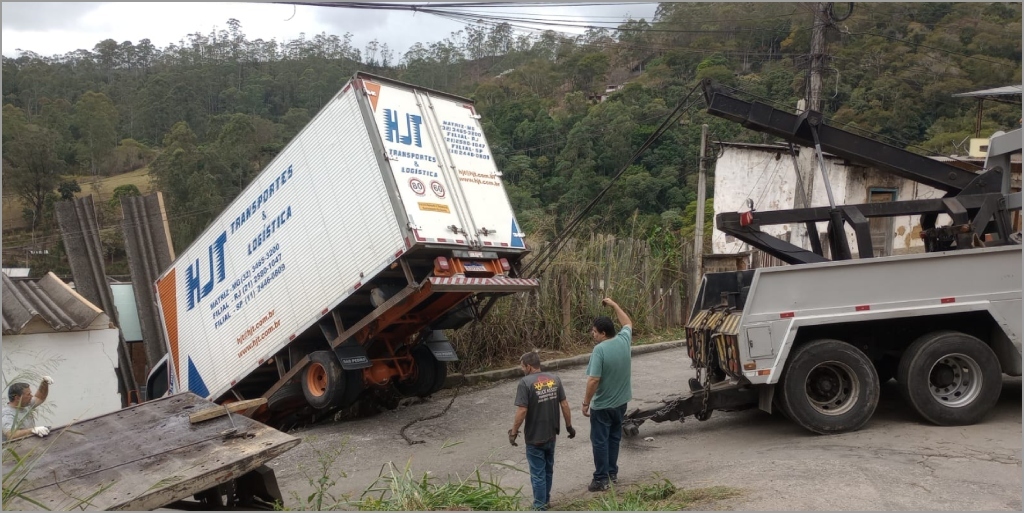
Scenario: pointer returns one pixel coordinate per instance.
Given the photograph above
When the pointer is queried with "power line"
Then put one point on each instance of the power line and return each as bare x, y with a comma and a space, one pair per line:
922, 45
546, 256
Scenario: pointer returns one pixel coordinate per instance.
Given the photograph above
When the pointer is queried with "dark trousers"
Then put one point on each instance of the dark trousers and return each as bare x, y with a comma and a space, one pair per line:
542, 472
605, 435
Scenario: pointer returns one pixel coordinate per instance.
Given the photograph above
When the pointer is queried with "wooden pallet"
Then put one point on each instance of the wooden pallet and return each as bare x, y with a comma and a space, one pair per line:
138, 458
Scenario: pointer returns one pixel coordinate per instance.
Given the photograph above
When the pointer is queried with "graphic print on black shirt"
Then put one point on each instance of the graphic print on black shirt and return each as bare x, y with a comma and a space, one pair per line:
541, 393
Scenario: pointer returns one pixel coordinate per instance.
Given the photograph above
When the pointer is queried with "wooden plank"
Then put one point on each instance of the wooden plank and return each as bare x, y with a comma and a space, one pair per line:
140, 458
217, 411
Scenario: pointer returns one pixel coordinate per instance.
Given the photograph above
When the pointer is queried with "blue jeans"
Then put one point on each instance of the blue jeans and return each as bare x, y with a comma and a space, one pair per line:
605, 435
542, 472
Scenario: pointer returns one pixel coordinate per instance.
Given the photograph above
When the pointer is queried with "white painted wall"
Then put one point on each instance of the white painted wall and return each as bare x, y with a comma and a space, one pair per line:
82, 366
768, 176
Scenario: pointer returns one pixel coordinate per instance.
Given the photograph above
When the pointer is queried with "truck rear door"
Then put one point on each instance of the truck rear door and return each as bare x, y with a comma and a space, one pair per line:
443, 168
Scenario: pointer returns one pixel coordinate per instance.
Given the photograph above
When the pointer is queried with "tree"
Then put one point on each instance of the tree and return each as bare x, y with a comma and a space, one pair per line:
589, 71
175, 171
67, 190
123, 191
30, 164
234, 157
95, 120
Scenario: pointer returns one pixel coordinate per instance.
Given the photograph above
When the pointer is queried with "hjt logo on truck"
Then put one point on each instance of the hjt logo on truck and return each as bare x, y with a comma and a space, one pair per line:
412, 128
194, 286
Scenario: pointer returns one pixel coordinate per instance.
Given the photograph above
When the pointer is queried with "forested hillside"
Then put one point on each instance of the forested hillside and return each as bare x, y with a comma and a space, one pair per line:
207, 114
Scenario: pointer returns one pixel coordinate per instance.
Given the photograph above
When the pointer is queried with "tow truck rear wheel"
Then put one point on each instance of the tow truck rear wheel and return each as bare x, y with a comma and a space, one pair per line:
322, 382
950, 378
829, 387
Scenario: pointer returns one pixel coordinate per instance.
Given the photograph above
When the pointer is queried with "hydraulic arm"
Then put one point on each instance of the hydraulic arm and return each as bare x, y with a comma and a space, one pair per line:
976, 202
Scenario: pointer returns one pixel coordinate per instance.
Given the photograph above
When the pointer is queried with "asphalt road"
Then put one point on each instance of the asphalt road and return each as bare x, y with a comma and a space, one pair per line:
896, 462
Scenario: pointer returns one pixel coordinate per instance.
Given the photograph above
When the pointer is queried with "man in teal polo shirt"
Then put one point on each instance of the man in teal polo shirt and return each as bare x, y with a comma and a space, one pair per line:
608, 390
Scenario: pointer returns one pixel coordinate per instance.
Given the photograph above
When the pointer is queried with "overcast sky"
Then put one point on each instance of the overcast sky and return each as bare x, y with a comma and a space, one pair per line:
56, 28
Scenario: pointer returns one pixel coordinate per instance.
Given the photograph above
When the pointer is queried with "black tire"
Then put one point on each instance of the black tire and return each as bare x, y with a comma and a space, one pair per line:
829, 387
322, 383
950, 378
286, 398
425, 371
440, 375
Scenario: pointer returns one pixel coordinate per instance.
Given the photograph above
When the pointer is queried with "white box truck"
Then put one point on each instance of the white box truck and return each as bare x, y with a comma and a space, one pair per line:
381, 224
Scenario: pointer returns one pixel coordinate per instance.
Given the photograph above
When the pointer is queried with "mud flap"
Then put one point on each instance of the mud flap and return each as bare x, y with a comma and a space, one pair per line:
438, 344
764, 398
352, 355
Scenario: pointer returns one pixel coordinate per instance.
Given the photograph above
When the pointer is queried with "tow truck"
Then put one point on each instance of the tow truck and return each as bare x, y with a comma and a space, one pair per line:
815, 339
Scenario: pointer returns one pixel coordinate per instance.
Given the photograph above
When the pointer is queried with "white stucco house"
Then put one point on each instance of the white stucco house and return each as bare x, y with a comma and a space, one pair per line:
49, 329
768, 175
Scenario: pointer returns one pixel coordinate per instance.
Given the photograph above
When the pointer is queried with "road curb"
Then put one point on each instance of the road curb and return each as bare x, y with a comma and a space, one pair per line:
455, 380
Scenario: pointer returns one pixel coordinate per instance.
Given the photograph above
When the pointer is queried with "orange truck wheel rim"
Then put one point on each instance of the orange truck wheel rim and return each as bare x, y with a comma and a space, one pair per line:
316, 379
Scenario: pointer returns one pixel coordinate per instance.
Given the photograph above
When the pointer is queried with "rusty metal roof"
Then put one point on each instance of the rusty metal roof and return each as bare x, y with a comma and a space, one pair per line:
47, 305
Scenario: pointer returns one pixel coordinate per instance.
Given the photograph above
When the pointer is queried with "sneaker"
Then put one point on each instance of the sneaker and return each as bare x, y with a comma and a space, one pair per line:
597, 486
614, 478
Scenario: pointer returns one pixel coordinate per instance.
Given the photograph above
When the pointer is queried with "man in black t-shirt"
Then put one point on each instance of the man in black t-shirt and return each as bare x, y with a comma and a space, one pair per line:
539, 397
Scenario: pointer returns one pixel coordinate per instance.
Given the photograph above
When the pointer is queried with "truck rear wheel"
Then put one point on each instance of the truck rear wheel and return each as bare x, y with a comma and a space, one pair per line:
428, 374
322, 382
440, 375
829, 387
950, 378
287, 397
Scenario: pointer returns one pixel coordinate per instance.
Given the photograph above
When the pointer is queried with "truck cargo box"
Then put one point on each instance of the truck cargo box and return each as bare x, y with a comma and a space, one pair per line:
384, 170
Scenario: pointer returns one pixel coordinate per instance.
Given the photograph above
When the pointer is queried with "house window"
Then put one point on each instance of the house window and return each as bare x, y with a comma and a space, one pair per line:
881, 227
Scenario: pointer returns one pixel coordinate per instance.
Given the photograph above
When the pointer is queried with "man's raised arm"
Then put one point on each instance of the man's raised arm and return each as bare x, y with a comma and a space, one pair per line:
624, 319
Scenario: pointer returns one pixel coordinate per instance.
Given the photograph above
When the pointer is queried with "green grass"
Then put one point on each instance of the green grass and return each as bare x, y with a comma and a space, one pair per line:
104, 187
660, 496
101, 190
401, 490
397, 490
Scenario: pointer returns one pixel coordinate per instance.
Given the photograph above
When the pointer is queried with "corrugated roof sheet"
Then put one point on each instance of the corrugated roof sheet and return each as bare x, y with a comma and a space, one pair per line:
998, 91
47, 305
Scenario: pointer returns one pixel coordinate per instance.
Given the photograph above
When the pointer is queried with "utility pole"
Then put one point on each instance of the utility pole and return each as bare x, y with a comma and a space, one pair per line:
817, 55
698, 243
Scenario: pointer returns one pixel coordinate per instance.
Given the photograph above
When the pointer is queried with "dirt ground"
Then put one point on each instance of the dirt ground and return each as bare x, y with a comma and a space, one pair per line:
896, 462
